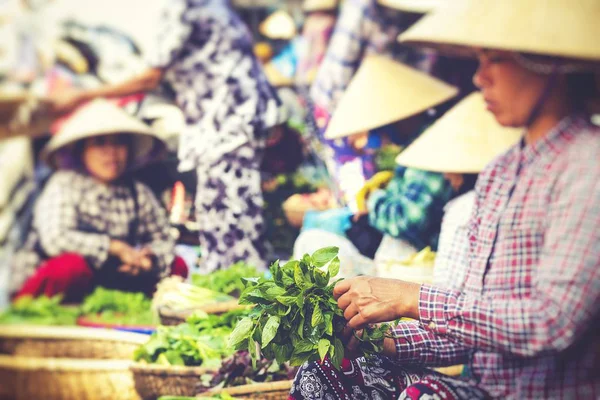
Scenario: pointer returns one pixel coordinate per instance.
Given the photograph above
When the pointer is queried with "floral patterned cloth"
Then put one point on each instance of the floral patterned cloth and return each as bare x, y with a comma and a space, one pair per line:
377, 379
206, 53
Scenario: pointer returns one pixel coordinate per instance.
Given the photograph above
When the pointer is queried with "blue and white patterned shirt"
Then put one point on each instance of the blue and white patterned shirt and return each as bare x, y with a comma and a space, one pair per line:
206, 53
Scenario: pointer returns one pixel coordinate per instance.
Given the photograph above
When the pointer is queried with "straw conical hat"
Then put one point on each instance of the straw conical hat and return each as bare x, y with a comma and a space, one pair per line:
384, 91
414, 6
562, 28
279, 25
319, 5
275, 77
464, 140
99, 118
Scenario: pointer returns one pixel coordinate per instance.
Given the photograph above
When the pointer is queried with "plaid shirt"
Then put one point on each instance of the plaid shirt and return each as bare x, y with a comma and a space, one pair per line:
527, 320
76, 214
411, 206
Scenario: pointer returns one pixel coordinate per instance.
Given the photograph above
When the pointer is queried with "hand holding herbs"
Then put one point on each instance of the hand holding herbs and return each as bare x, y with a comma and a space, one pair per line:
296, 318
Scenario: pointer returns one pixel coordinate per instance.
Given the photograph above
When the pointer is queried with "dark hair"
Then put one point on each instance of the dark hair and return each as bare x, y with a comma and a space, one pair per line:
468, 184
581, 88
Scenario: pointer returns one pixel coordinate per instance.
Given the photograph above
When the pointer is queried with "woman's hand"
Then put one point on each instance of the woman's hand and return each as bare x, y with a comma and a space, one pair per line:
367, 300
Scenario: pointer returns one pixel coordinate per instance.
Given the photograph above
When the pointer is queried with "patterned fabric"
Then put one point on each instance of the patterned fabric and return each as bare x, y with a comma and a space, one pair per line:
206, 52
411, 206
531, 300
316, 32
377, 379
229, 210
77, 214
451, 257
363, 27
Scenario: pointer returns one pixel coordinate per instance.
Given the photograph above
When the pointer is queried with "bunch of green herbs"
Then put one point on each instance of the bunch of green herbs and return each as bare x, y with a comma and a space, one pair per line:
201, 340
296, 319
228, 281
39, 311
118, 307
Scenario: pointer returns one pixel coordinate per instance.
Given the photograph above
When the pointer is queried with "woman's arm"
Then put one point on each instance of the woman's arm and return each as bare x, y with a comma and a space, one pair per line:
67, 101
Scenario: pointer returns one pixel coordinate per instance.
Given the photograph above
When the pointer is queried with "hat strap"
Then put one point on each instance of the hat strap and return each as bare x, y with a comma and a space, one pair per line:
537, 108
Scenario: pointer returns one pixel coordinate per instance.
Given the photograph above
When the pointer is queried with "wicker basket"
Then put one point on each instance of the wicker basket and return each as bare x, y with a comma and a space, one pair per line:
265, 391
68, 342
173, 317
152, 381
27, 378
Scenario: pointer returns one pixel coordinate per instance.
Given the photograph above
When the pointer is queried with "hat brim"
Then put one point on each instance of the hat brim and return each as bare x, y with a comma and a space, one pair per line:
559, 28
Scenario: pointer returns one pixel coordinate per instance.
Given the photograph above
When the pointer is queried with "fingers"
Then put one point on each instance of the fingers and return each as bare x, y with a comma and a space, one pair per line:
145, 263
353, 344
341, 287
350, 311
125, 268
359, 321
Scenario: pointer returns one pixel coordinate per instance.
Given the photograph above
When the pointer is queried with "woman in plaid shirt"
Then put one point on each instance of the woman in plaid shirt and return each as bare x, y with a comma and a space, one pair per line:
526, 321
92, 225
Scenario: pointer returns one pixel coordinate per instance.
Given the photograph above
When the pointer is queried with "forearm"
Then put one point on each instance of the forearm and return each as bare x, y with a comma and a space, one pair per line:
146, 81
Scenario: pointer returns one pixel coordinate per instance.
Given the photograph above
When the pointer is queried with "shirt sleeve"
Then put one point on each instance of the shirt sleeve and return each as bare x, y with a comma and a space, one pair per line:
409, 206
565, 293
173, 33
154, 230
416, 345
55, 219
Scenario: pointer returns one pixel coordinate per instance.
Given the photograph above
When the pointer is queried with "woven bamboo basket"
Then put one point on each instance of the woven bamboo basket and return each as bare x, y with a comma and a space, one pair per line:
279, 390
68, 342
176, 317
27, 378
152, 381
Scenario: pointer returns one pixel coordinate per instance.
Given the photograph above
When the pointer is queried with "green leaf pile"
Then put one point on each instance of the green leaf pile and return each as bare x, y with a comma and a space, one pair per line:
228, 281
201, 340
296, 318
118, 307
39, 311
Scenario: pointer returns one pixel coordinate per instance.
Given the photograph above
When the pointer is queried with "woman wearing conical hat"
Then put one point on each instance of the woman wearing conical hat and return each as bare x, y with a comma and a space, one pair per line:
526, 321
92, 224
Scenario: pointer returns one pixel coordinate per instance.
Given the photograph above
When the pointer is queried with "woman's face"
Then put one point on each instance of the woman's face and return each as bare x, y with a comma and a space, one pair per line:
510, 90
105, 157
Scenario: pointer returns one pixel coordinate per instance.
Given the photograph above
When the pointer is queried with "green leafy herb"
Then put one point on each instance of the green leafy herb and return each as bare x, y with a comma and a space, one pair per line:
295, 318
227, 281
39, 311
201, 340
118, 307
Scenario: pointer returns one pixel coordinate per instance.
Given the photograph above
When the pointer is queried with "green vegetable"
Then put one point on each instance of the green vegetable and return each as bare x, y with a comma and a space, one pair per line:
175, 294
296, 318
201, 340
118, 307
39, 311
228, 281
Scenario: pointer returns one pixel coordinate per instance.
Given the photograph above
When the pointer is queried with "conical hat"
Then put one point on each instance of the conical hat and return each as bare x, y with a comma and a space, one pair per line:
319, 5
384, 91
464, 140
413, 6
99, 118
279, 25
561, 28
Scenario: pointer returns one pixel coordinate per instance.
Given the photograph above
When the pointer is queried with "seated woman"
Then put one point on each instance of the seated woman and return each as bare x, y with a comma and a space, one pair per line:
93, 224
526, 320
410, 206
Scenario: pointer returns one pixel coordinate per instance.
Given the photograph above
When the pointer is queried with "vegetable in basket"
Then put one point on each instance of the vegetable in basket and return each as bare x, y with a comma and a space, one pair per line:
201, 340
228, 281
39, 311
118, 307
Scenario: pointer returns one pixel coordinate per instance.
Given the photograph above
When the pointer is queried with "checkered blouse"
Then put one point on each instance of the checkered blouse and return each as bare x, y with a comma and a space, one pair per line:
527, 320
76, 214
